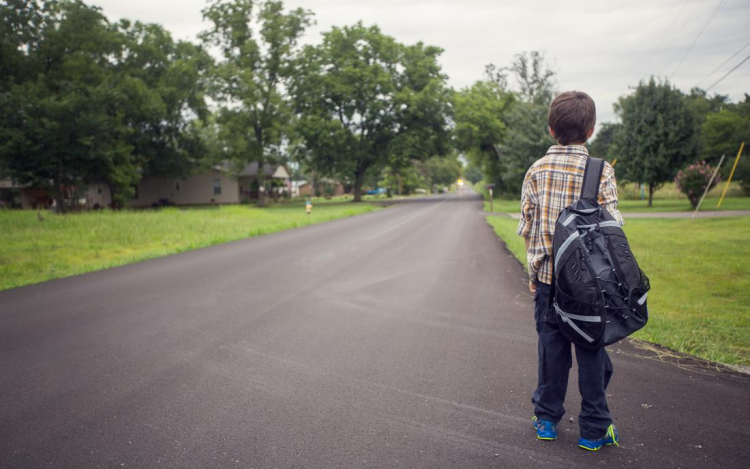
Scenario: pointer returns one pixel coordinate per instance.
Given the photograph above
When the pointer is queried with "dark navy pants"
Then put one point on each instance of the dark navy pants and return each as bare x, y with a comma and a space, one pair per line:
594, 372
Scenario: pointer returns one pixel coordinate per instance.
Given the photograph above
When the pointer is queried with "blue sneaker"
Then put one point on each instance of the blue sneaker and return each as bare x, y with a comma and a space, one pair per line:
610, 438
545, 430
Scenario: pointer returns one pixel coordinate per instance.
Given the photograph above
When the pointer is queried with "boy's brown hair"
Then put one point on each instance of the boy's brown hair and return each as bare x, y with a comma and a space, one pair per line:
571, 115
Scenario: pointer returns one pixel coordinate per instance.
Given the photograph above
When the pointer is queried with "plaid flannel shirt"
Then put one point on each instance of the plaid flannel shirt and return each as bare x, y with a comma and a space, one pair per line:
551, 184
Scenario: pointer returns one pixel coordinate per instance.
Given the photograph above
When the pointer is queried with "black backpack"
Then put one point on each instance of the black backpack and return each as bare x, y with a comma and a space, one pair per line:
599, 290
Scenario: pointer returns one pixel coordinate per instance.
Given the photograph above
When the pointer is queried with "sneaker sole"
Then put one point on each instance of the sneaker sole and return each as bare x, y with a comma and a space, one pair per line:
613, 441
589, 449
597, 449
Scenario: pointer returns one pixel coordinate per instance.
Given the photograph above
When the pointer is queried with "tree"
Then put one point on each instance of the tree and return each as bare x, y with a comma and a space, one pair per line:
481, 124
440, 171
473, 174
365, 101
605, 136
723, 133
167, 107
535, 78
503, 132
405, 181
703, 105
527, 139
743, 107
21, 25
255, 116
60, 121
91, 101
659, 134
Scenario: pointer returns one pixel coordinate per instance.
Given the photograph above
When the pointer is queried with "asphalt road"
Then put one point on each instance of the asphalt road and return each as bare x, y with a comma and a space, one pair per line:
402, 338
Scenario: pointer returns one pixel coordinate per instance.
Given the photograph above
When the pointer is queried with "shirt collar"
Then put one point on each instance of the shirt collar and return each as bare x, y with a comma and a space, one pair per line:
570, 149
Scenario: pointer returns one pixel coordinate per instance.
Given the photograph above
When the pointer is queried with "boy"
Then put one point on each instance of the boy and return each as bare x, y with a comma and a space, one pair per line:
552, 183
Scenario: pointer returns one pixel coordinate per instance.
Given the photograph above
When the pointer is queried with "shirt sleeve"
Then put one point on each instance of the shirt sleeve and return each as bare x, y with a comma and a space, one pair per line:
608, 192
528, 205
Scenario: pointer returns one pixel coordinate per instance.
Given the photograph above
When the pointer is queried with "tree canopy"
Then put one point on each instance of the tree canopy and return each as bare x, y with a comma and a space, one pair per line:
365, 101
503, 132
659, 134
86, 100
258, 42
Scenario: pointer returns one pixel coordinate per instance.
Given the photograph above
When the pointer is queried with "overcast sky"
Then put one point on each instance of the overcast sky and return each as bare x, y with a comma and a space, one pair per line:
603, 47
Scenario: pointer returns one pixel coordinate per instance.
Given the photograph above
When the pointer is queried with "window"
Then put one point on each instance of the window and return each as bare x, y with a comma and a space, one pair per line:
177, 186
217, 186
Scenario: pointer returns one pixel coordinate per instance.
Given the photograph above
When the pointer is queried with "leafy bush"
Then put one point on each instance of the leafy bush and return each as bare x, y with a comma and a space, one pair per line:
694, 179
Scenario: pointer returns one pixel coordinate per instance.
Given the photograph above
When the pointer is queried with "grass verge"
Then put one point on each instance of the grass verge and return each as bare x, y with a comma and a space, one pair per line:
60, 246
666, 199
625, 206
507, 232
700, 279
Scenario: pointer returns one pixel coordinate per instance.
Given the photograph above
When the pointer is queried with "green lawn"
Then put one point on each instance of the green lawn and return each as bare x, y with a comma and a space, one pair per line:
666, 199
34, 251
625, 206
700, 278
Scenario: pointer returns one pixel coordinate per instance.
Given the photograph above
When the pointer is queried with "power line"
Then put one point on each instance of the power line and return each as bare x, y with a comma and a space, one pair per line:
697, 36
669, 29
724, 63
728, 73
687, 21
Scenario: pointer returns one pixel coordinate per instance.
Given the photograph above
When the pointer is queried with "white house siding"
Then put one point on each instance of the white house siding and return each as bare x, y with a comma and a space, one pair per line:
193, 190
98, 196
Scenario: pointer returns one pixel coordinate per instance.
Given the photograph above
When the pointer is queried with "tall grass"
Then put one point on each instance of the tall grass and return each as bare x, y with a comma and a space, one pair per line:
62, 245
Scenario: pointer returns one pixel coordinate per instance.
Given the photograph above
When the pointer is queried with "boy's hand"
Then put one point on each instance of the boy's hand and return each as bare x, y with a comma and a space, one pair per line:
532, 286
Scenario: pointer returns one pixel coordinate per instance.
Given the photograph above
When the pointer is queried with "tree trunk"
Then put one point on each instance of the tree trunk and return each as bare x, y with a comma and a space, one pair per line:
112, 203
358, 188
261, 192
60, 200
58, 191
650, 194
400, 186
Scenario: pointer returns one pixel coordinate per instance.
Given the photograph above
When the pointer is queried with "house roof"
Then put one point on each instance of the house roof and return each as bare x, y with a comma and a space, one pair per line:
269, 170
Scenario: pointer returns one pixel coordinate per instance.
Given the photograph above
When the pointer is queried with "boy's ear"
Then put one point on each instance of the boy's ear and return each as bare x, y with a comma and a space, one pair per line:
552, 132
590, 133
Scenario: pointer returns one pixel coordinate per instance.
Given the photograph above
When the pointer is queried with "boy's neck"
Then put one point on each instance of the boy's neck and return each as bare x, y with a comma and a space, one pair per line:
571, 143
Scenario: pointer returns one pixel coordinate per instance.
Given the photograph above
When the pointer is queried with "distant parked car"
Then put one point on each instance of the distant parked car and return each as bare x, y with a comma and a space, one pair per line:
420, 191
376, 191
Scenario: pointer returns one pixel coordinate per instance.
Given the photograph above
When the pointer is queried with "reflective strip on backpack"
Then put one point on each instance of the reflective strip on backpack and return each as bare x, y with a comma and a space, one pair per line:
642, 299
614, 223
565, 245
567, 319
578, 317
569, 219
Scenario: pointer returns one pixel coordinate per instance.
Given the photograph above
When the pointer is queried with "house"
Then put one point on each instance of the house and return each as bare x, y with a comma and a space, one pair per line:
14, 194
218, 185
325, 187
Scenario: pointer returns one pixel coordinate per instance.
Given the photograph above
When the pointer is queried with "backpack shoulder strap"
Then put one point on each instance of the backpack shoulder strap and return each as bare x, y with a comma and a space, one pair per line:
592, 177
